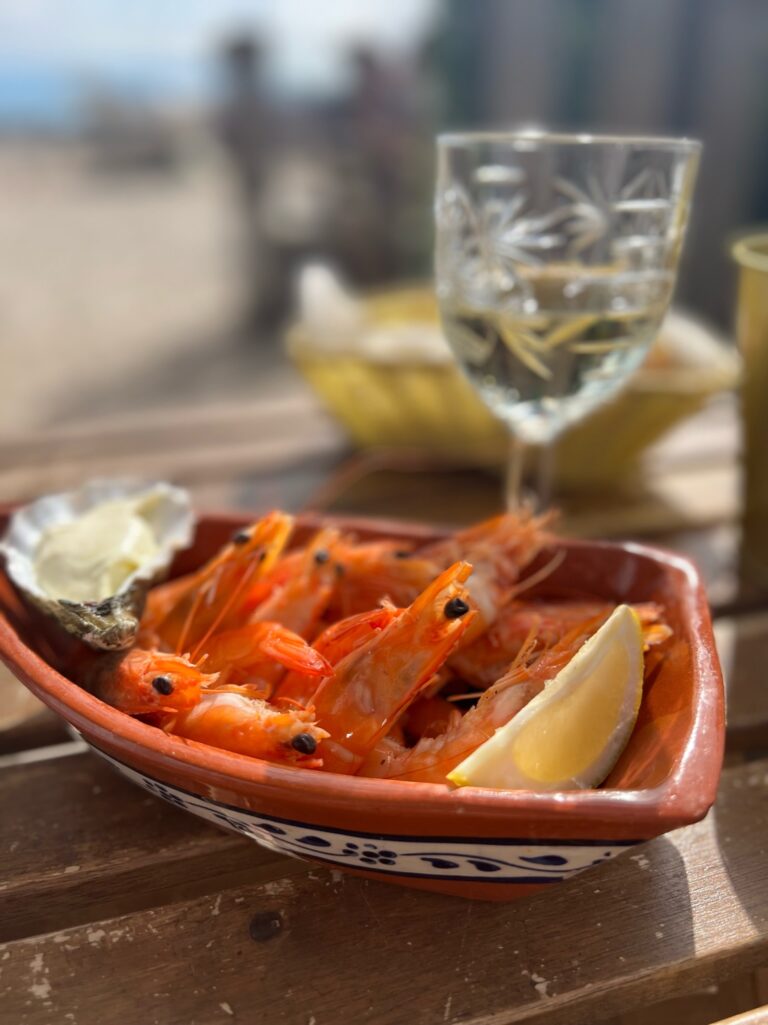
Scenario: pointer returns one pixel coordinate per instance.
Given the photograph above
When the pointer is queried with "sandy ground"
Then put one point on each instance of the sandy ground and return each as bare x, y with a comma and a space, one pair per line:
119, 293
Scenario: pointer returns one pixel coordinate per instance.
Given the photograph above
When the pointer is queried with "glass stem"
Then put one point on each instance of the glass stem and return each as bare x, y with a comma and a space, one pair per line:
545, 474
514, 478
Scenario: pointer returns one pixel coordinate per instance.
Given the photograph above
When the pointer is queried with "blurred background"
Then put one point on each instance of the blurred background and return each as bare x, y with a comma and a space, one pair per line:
166, 167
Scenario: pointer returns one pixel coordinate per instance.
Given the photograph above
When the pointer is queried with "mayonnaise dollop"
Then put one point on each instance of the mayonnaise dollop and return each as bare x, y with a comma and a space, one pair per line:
90, 558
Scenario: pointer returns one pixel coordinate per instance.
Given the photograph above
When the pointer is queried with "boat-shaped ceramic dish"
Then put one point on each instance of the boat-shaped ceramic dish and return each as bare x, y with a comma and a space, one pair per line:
471, 842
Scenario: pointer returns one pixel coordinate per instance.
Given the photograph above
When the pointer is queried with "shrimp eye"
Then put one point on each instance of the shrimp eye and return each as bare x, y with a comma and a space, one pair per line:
304, 743
455, 608
321, 556
163, 685
402, 554
241, 537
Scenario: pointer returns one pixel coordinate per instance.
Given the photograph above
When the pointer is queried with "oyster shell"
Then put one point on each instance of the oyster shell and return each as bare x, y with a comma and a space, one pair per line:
108, 623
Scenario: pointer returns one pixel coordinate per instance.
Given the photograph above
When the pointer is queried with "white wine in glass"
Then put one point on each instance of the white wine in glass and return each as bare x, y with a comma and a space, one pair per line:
556, 261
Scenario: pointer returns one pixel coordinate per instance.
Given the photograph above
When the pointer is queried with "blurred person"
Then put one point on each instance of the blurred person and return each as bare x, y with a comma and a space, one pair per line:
378, 124
288, 194
242, 119
245, 127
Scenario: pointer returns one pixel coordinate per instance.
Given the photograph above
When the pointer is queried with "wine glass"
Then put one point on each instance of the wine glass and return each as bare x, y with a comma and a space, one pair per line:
556, 258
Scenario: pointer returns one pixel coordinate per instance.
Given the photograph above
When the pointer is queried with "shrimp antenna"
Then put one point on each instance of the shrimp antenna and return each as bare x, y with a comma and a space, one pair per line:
193, 610
541, 574
225, 608
518, 665
288, 702
527, 648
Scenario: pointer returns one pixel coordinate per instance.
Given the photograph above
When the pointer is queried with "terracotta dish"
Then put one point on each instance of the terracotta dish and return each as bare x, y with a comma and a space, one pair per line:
471, 842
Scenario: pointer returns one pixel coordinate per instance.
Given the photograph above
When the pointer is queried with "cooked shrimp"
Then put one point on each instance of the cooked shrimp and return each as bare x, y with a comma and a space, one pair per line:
429, 717
289, 565
144, 681
141, 682
338, 653
499, 549
372, 685
487, 658
182, 611
301, 600
433, 757
236, 722
372, 571
258, 655
333, 644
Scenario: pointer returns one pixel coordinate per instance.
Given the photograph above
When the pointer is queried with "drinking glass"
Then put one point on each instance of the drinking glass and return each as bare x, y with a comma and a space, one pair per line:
556, 258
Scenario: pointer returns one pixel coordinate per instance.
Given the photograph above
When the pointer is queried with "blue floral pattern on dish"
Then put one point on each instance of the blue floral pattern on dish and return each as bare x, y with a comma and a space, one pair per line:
502, 860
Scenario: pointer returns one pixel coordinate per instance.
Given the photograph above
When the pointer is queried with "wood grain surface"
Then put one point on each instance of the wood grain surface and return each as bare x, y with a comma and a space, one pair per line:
757, 1016
80, 843
701, 1007
308, 944
742, 644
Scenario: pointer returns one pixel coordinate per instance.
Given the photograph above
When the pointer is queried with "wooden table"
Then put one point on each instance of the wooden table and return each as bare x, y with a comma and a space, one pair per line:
115, 908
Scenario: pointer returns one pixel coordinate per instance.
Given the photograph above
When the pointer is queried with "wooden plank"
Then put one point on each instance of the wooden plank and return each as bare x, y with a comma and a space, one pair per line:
188, 445
757, 1016
728, 997
310, 945
761, 984
690, 479
24, 721
40, 730
65, 749
185, 427
691, 497
80, 843
410, 486
238, 456
716, 552
742, 644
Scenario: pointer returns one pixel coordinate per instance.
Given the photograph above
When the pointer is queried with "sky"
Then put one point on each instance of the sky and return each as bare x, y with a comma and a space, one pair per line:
49, 48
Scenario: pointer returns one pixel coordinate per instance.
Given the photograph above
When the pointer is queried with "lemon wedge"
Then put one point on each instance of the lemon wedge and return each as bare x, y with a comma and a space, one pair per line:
571, 734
